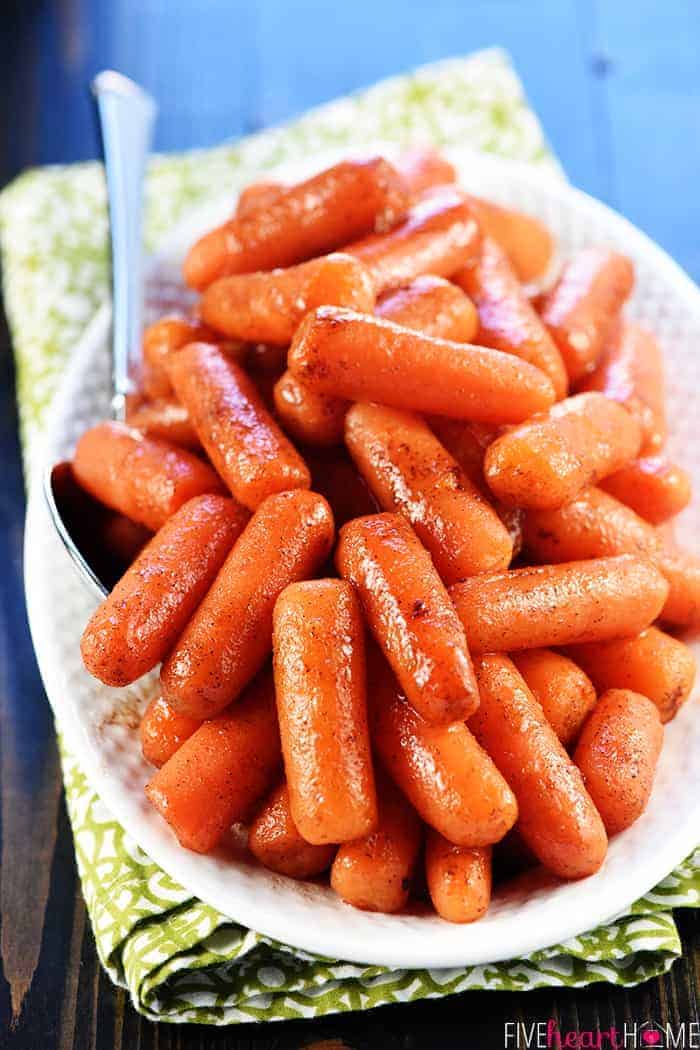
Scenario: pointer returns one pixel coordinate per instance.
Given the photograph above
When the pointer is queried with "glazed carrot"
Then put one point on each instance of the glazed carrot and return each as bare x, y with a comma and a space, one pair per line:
319, 659
525, 240
652, 663
410, 472
433, 306
163, 731
596, 525
507, 319
459, 878
439, 235
257, 195
581, 309
429, 304
409, 612
140, 620
631, 371
274, 840
336, 477
556, 816
444, 773
563, 691
229, 637
166, 419
365, 358
244, 443
374, 872
144, 478
267, 307
653, 486
546, 605
546, 462
122, 537
423, 168
618, 753
349, 200
309, 415
217, 776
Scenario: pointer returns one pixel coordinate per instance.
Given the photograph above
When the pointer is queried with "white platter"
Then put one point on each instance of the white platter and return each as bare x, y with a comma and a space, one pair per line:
100, 723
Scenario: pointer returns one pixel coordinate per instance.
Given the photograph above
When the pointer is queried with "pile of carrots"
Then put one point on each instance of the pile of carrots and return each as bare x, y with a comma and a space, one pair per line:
432, 497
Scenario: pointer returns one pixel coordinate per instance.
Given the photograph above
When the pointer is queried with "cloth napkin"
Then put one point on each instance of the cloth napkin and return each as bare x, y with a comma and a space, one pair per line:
180, 959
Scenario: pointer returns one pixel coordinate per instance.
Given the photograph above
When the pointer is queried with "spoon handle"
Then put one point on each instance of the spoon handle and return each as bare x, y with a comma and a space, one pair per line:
126, 115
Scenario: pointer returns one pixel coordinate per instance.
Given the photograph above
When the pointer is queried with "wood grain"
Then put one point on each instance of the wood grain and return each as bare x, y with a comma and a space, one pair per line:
612, 72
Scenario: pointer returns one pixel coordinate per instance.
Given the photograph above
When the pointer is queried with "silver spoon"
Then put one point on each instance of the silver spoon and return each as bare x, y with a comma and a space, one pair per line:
126, 117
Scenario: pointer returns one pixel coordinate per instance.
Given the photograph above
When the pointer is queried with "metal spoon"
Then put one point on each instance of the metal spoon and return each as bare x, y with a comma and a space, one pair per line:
126, 116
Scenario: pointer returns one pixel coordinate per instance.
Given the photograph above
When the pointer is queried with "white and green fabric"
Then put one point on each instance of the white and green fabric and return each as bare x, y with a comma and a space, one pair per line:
181, 960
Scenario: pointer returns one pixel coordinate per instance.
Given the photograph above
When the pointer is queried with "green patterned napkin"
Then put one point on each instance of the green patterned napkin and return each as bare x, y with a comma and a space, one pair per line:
181, 960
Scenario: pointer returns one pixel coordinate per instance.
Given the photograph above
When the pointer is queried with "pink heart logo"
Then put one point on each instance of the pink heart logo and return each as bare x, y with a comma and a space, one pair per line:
651, 1038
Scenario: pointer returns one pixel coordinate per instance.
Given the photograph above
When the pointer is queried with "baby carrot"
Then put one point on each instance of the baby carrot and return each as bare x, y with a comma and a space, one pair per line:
618, 753
122, 537
267, 307
525, 240
166, 419
546, 605
366, 358
374, 872
563, 691
631, 371
215, 778
410, 472
507, 319
459, 878
243, 441
653, 486
409, 612
429, 304
144, 478
319, 660
439, 235
442, 770
142, 617
556, 816
273, 838
653, 663
349, 200
229, 637
163, 731
546, 462
596, 525
423, 168
433, 306
581, 309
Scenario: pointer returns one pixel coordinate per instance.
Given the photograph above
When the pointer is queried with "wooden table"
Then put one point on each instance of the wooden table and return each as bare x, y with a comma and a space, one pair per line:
616, 85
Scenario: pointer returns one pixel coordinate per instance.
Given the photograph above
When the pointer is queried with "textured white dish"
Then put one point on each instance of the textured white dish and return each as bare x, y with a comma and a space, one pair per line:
100, 724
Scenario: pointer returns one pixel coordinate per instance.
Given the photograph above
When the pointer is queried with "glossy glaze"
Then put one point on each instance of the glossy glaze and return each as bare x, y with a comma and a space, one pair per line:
319, 661
229, 637
273, 838
322, 213
545, 463
365, 358
147, 479
458, 877
653, 486
163, 731
550, 605
563, 691
243, 441
507, 319
142, 617
433, 306
409, 612
556, 816
411, 473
